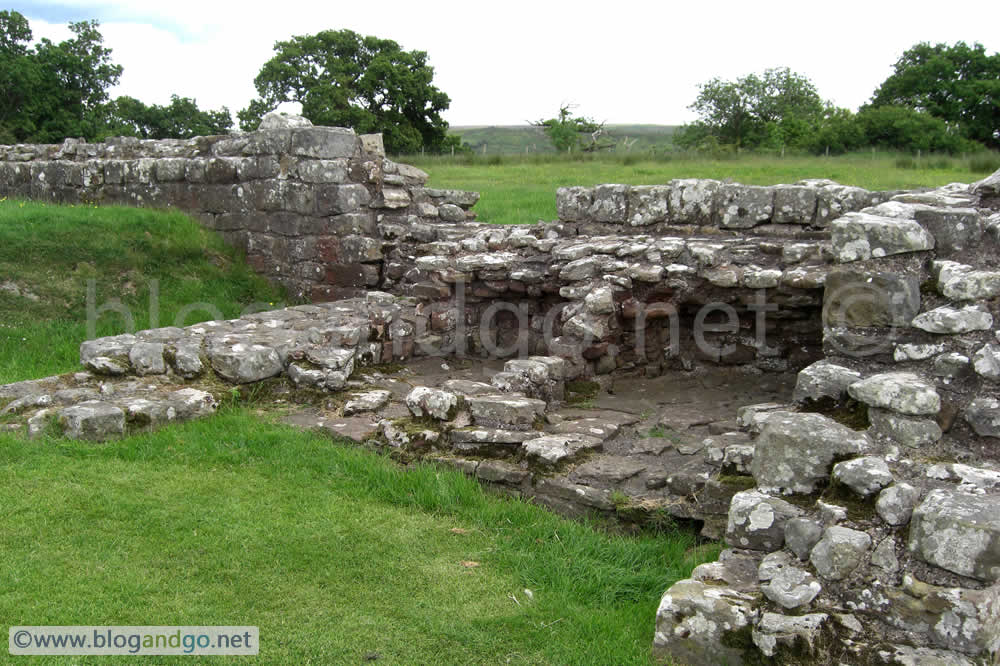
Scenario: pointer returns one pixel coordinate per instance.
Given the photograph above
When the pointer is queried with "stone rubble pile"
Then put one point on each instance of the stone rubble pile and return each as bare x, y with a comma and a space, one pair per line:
877, 541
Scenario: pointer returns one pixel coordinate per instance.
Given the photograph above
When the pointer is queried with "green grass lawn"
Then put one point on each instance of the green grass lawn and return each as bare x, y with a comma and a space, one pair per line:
143, 258
523, 190
334, 552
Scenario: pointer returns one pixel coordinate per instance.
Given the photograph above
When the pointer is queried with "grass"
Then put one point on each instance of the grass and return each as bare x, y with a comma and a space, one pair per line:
521, 189
531, 140
337, 554
158, 264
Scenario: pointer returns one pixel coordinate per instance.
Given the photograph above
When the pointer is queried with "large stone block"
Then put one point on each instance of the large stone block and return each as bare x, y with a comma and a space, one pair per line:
865, 299
743, 206
795, 452
959, 532
324, 142
955, 230
697, 622
794, 204
860, 236
610, 204
648, 204
757, 521
902, 392
692, 200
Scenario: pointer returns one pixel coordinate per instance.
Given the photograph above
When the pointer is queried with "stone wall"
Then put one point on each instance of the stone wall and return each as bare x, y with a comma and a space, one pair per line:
304, 202
868, 530
871, 535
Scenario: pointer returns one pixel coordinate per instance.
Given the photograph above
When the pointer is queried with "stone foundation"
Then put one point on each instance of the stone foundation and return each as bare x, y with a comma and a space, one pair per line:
860, 511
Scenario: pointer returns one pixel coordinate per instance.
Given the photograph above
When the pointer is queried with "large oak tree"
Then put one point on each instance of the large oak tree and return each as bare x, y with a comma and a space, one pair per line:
344, 79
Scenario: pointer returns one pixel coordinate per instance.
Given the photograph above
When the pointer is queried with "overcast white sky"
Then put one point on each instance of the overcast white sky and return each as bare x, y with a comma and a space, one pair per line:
505, 63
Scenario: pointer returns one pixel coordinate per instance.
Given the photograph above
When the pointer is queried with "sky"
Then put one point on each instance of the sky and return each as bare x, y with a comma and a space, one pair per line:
508, 63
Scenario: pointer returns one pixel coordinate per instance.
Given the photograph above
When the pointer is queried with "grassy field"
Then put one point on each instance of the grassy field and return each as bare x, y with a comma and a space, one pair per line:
337, 554
159, 265
530, 140
523, 190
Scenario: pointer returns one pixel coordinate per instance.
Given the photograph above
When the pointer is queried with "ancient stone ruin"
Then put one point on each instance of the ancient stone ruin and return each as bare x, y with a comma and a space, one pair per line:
808, 371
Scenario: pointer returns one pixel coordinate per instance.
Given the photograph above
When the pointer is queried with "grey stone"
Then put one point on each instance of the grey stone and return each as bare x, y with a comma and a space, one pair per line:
553, 449
839, 552
115, 347
792, 588
369, 401
794, 452
573, 203
103, 365
691, 200
902, 353
972, 479
434, 403
983, 414
648, 204
861, 236
884, 556
610, 203
451, 213
466, 387
959, 532
865, 476
27, 402
695, 619
801, 534
275, 120
743, 206
324, 142
987, 187
501, 472
497, 411
191, 403
772, 564
187, 360
824, 379
757, 521
954, 618
600, 300
147, 358
92, 420
855, 298
955, 230
949, 320
901, 392
951, 365
906, 430
245, 363
794, 204
778, 635
971, 285
986, 362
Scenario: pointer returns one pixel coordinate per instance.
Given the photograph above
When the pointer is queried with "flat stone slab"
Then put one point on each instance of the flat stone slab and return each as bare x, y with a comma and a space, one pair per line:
959, 532
901, 392
505, 410
553, 449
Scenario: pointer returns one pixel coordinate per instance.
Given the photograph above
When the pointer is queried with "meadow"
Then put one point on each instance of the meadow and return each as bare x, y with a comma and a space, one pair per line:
521, 189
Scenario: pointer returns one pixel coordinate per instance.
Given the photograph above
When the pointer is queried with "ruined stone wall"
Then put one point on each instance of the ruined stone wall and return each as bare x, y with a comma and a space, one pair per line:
872, 532
304, 202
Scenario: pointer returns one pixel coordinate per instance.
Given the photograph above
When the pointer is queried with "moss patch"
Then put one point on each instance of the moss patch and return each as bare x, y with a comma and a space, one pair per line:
852, 414
581, 391
737, 481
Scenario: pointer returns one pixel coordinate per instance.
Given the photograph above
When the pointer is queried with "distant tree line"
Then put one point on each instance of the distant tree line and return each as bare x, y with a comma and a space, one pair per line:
939, 98
50, 91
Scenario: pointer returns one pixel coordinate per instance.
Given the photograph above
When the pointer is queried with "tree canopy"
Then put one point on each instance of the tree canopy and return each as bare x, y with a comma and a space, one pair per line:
568, 131
49, 92
771, 109
959, 84
182, 119
344, 79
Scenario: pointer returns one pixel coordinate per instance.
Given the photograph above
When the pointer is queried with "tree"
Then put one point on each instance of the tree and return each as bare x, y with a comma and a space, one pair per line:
773, 109
366, 83
182, 119
567, 132
52, 91
959, 84
18, 75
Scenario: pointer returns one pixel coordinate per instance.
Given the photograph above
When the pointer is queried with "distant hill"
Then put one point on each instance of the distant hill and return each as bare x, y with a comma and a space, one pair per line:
520, 139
